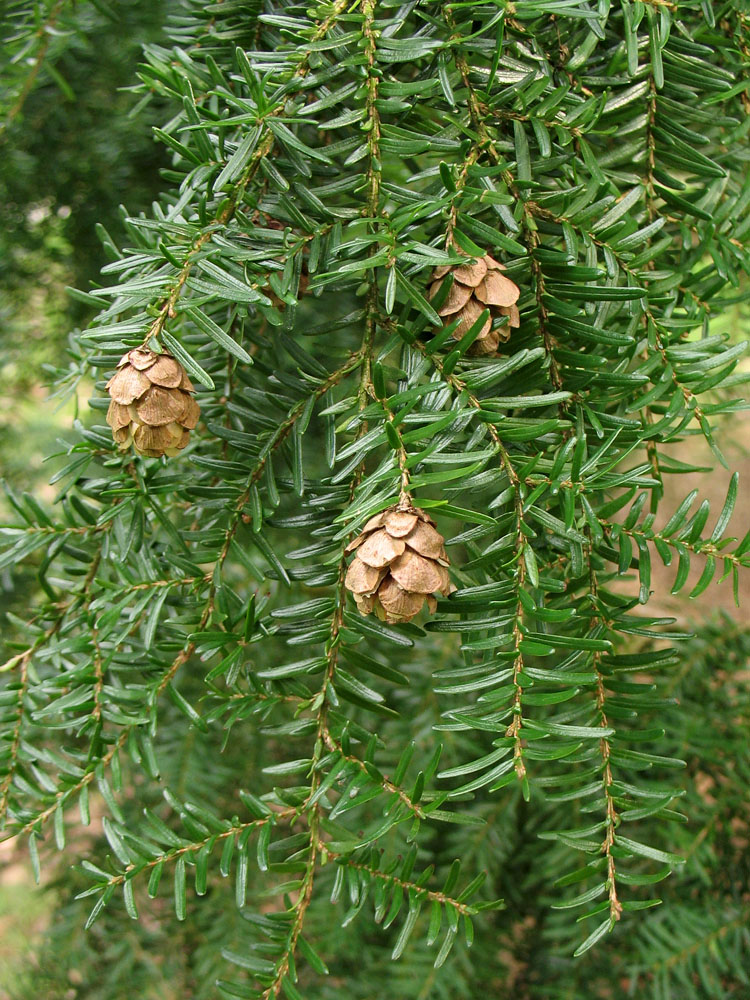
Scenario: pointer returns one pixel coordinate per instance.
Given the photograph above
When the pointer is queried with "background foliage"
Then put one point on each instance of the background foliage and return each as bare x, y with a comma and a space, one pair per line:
193, 711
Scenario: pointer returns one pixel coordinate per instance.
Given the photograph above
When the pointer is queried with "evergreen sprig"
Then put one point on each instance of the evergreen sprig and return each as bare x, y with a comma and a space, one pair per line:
193, 655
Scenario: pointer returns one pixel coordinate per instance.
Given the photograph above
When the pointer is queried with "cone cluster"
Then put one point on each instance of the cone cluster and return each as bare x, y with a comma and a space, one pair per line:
400, 564
478, 285
151, 404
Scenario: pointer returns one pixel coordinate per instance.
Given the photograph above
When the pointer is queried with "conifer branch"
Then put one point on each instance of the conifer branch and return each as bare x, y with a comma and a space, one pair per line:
45, 32
328, 167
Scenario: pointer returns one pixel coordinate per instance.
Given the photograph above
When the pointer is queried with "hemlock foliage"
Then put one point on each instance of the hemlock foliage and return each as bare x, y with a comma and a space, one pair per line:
265, 764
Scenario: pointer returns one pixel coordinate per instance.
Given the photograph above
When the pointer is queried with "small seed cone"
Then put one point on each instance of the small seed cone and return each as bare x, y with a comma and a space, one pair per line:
478, 286
400, 564
151, 404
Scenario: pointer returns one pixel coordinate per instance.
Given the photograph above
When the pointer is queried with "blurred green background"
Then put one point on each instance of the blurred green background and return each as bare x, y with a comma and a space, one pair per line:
80, 148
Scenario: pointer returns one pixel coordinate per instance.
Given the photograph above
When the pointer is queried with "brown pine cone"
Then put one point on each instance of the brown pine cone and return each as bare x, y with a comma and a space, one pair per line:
476, 287
400, 563
151, 406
